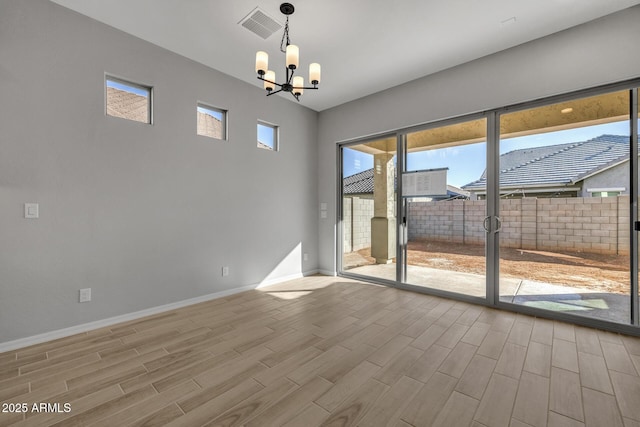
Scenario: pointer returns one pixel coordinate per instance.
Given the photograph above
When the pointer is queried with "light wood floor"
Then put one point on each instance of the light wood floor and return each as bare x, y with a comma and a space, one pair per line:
329, 351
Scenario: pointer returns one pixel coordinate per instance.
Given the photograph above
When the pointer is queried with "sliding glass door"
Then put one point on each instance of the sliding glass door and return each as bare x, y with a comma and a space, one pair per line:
532, 208
444, 236
564, 189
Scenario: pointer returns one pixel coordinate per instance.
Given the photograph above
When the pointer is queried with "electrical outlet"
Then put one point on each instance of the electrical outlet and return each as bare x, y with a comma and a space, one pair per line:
225, 271
305, 257
85, 295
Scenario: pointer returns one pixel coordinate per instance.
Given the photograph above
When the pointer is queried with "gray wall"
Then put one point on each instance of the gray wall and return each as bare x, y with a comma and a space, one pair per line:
599, 52
144, 215
616, 177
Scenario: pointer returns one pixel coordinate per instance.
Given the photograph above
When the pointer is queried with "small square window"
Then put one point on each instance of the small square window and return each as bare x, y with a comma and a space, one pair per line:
267, 136
212, 122
128, 100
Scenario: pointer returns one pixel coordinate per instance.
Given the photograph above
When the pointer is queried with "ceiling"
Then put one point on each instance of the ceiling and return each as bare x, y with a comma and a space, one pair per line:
364, 46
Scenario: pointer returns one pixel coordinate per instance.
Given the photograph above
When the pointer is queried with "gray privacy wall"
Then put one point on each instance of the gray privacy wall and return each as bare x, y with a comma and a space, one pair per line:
575, 224
599, 52
143, 215
357, 212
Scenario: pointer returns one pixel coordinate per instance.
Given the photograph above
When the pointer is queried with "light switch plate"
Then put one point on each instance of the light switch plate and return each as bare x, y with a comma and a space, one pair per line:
323, 206
31, 210
84, 295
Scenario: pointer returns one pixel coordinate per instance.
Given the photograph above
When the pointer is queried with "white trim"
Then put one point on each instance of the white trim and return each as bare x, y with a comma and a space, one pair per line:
595, 190
73, 330
327, 273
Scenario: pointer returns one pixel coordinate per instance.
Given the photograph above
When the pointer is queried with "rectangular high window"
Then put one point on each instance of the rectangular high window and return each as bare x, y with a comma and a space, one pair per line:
128, 100
211, 122
267, 136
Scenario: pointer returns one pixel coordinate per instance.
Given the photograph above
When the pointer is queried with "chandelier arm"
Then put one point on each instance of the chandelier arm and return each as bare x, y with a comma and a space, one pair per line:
273, 93
269, 81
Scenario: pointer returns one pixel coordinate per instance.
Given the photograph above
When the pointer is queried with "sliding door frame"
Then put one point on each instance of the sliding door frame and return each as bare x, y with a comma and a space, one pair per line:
633, 190
493, 234
340, 210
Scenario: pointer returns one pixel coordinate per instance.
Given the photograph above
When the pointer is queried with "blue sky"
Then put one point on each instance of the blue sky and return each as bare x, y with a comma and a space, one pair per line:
127, 88
466, 163
214, 113
265, 135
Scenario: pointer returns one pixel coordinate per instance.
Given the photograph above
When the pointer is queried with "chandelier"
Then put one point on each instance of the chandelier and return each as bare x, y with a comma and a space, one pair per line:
294, 85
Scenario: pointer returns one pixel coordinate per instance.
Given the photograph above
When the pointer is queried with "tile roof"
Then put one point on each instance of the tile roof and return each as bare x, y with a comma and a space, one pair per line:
127, 105
264, 146
360, 183
557, 164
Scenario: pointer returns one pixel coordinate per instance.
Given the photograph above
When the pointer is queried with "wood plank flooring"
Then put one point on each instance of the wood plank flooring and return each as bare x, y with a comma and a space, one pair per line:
324, 351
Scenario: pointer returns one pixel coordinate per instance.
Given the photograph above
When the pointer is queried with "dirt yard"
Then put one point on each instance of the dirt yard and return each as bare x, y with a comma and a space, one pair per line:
606, 273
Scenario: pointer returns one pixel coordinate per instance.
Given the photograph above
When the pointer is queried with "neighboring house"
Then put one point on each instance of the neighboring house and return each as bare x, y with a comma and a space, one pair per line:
209, 126
127, 105
361, 185
594, 168
264, 146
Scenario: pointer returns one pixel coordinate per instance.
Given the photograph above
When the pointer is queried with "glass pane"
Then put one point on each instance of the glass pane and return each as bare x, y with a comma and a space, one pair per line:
128, 101
210, 122
446, 239
369, 209
564, 206
267, 137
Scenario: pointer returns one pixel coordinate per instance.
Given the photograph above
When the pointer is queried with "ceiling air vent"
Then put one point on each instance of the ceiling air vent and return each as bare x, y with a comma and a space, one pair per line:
258, 22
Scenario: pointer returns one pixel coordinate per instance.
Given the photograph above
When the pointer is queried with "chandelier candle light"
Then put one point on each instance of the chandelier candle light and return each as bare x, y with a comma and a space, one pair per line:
294, 85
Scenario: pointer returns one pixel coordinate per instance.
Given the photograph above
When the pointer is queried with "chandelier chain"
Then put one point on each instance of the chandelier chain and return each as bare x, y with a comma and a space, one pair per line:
285, 37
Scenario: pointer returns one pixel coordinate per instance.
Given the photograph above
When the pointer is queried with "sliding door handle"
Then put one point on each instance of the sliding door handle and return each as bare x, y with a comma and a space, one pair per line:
498, 224
485, 223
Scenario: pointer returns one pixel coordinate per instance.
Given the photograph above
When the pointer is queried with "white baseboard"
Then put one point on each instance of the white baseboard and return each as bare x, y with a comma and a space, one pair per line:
85, 327
327, 273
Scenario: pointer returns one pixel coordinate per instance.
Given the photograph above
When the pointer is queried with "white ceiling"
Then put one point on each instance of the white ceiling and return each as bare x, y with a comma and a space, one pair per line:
364, 46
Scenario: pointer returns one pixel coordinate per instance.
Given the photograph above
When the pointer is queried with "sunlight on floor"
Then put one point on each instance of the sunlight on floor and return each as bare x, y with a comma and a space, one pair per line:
289, 294
577, 305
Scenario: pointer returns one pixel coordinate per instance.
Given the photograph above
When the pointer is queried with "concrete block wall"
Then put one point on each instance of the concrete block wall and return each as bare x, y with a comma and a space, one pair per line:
361, 225
511, 216
347, 224
589, 224
474, 214
356, 223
